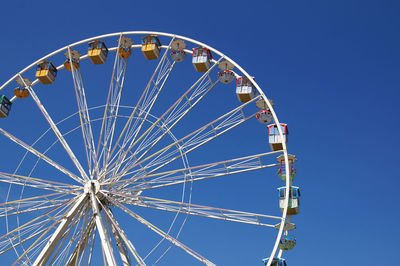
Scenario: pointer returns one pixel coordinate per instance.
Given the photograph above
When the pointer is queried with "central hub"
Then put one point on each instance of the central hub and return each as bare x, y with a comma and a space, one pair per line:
92, 185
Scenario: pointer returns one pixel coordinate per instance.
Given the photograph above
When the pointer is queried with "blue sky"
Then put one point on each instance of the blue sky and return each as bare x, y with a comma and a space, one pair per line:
332, 69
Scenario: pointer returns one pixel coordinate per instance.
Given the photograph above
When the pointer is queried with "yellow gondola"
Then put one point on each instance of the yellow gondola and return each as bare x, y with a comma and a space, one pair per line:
97, 52
46, 72
151, 47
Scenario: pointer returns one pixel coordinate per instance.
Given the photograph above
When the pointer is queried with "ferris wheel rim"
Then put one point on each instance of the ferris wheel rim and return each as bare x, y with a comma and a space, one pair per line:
284, 218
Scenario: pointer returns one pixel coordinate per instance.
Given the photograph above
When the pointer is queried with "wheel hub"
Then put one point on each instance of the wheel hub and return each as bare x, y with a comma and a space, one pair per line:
92, 185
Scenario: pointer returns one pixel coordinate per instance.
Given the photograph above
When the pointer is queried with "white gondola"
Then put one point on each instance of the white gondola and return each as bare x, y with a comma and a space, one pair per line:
201, 59
275, 140
245, 90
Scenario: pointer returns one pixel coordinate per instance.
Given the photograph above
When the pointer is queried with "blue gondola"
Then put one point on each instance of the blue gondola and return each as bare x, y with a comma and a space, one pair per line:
294, 199
287, 243
5, 106
275, 262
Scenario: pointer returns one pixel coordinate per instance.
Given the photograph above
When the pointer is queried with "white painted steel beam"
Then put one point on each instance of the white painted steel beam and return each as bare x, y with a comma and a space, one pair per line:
105, 241
55, 238
123, 241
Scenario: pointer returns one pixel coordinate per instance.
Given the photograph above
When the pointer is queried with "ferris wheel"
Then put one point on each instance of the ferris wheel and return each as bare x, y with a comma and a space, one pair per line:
113, 134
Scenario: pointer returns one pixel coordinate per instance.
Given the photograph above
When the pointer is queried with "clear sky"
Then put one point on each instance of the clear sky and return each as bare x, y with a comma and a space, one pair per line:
332, 69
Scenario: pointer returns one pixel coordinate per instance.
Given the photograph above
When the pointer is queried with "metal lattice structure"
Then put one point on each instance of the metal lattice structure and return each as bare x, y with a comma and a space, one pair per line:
131, 153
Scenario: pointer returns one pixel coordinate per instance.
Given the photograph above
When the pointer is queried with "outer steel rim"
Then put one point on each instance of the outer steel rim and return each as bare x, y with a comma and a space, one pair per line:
284, 213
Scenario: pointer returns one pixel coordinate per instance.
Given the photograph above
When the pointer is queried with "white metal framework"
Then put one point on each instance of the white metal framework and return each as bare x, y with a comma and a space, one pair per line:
75, 180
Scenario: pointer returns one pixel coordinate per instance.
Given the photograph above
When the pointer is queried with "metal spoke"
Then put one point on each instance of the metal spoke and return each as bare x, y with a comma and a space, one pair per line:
72, 239
122, 240
197, 210
178, 110
160, 232
31, 206
22, 240
56, 132
36, 244
112, 106
36, 183
83, 242
148, 143
84, 115
31, 198
40, 155
195, 139
197, 173
31, 230
144, 105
